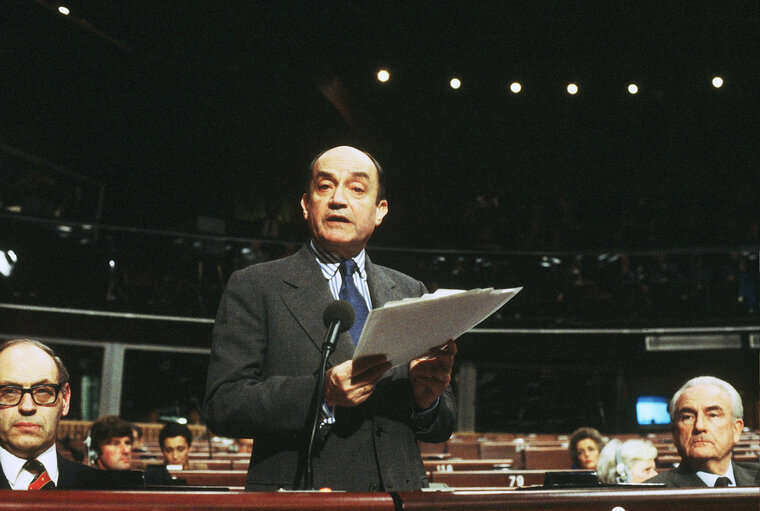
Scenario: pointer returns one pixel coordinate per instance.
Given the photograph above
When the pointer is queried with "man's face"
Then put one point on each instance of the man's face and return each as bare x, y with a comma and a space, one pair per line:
116, 453
341, 206
588, 453
175, 451
28, 429
705, 431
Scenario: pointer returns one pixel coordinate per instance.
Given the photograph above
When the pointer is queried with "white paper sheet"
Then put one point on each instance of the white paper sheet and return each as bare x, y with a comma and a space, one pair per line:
408, 328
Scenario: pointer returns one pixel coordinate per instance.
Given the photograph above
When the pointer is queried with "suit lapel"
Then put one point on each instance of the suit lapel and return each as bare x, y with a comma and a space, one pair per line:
381, 288
686, 477
4, 484
307, 300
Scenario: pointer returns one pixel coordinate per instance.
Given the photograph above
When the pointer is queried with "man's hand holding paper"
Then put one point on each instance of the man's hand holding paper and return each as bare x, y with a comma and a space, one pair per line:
350, 383
431, 374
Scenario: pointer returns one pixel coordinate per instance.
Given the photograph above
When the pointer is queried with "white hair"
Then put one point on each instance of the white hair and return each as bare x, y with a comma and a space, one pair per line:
737, 409
626, 453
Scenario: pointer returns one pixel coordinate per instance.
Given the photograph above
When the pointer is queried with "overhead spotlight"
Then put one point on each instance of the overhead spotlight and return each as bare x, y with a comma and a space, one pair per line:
633, 88
572, 89
383, 75
515, 87
717, 82
64, 10
455, 83
112, 264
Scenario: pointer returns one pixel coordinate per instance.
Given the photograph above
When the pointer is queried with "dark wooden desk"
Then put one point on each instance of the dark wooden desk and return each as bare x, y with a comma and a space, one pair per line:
608, 499
661, 499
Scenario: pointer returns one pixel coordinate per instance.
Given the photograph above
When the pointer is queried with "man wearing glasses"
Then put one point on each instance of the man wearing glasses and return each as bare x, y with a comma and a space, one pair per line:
34, 395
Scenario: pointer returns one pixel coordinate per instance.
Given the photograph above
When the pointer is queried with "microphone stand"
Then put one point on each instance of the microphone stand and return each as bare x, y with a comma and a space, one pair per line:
319, 396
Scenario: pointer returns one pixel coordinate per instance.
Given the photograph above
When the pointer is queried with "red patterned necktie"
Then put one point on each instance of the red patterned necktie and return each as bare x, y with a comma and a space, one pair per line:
41, 479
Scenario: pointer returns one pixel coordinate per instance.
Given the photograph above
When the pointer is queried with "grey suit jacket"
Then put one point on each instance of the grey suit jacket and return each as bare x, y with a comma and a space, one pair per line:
262, 374
746, 474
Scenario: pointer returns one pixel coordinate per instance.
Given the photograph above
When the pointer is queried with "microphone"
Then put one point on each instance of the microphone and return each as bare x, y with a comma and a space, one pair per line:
338, 317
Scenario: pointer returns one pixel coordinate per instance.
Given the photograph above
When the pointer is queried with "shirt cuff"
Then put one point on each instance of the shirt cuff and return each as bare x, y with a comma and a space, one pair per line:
425, 413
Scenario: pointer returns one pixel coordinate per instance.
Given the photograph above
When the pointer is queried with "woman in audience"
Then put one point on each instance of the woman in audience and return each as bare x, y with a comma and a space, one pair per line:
631, 461
585, 444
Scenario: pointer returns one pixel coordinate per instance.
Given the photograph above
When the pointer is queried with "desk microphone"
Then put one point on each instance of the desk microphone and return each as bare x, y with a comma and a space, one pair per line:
338, 317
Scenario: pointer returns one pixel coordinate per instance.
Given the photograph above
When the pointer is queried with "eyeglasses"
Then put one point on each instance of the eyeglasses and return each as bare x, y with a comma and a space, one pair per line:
42, 394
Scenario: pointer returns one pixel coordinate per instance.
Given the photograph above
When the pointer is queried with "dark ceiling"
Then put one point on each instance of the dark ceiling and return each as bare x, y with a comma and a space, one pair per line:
215, 107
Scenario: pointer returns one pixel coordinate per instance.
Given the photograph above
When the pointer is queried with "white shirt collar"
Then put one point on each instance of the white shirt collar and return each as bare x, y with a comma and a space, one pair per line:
710, 478
18, 478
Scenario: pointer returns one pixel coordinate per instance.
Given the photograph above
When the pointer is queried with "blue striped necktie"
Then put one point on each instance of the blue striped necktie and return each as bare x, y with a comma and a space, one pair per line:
351, 294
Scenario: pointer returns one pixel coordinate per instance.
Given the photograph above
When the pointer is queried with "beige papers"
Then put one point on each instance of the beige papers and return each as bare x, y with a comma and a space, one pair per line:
406, 329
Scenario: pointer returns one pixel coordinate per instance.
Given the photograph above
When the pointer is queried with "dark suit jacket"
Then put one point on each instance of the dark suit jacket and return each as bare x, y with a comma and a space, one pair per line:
69, 473
746, 474
262, 374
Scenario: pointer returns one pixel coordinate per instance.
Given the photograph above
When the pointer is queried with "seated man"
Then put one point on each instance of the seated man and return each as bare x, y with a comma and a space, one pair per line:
706, 422
111, 439
34, 395
175, 440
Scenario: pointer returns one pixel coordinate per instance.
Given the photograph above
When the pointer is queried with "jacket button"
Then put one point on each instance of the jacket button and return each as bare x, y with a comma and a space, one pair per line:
378, 432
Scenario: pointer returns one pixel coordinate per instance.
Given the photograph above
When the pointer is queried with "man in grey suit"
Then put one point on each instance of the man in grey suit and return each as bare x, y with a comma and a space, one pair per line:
706, 422
267, 346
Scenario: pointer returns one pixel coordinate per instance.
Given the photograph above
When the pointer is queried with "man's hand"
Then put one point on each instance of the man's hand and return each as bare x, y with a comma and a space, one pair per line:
350, 383
431, 374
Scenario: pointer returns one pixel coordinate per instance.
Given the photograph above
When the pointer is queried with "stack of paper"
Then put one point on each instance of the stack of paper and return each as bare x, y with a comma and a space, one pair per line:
408, 328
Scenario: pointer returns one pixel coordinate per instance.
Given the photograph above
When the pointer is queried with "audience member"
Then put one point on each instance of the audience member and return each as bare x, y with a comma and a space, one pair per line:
111, 439
242, 445
28, 423
706, 422
175, 440
632, 461
585, 444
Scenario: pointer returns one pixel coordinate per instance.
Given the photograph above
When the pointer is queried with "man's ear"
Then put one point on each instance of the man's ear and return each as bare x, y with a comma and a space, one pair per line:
381, 211
738, 427
304, 203
66, 399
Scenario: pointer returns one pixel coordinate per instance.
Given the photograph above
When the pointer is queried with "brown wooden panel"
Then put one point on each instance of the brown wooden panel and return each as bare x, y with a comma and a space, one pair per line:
455, 464
547, 458
191, 501
661, 499
499, 449
489, 478
468, 449
223, 478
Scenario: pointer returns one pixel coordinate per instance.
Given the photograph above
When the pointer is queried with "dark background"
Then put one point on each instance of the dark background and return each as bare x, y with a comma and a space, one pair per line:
161, 112
215, 108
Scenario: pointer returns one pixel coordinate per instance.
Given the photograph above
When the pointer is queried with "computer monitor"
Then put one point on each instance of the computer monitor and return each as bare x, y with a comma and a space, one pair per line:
652, 411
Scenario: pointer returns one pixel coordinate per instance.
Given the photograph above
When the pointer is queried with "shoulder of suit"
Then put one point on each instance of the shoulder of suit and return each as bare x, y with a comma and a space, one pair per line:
269, 267
395, 275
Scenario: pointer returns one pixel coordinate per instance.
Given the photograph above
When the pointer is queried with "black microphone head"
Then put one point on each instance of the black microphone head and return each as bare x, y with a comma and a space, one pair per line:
339, 310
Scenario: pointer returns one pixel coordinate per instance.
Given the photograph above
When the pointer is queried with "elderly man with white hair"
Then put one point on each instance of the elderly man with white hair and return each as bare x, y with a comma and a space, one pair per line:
706, 422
